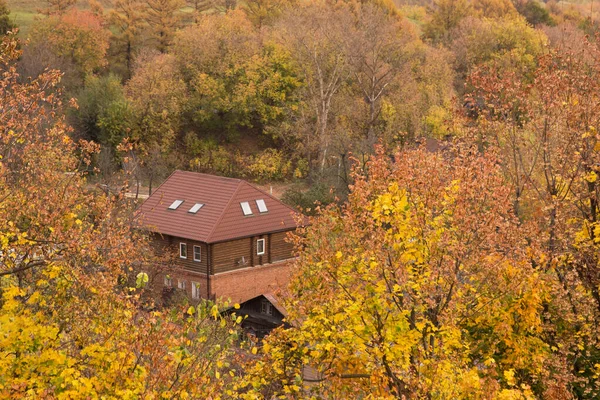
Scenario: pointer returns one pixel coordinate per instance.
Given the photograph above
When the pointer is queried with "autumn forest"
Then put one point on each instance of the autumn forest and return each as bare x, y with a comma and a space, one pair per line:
445, 153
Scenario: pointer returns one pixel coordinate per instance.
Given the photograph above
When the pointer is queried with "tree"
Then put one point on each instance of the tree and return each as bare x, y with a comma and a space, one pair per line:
445, 16
546, 133
264, 12
378, 55
316, 34
235, 82
58, 7
419, 285
76, 41
6, 24
103, 115
163, 19
535, 12
508, 43
494, 8
199, 7
74, 322
157, 95
224, 6
128, 20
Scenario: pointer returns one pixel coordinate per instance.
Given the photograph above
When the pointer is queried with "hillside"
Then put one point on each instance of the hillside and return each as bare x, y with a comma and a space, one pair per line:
428, 225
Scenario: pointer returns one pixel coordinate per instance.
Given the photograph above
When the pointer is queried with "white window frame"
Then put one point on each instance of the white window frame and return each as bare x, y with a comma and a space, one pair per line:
195, 208
199, 253
262, 206
168, 281
246, 209
266, 308
258, 252
195, 290
180, 284
175, 205
182, 246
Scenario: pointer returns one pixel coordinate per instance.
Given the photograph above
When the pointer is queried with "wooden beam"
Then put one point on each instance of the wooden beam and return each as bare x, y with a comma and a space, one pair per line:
269, 248
252, 251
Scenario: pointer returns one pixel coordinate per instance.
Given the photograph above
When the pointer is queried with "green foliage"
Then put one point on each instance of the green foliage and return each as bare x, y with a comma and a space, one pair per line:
307, 200
5, 21
269, 165
509, 44
77, 38
233, 81
157, 95
115, 123
438, 122
397, 294
535, 12
103, 114
141, 280
445, 16
208, 156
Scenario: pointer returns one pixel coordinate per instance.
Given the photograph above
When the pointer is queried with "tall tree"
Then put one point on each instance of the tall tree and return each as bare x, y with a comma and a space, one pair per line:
5, 21
509, 43
127, 18
76, 41
164, 19
157, 95
445, 15
264, 12
419, 285
199, 6
316, 34
58, 7
72, 316
546, 133
235, 82
378, 55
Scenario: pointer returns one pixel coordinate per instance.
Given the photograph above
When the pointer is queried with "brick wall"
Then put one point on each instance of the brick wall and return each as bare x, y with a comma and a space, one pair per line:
238, 286
181, 274
244, 284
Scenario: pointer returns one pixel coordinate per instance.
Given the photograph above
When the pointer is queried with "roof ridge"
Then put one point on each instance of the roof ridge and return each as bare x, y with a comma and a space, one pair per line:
211, 175
209, 236
139, 208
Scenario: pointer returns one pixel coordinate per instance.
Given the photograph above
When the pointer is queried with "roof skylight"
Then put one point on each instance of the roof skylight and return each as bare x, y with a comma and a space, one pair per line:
262, 207
175, 204
246, 208
195, 208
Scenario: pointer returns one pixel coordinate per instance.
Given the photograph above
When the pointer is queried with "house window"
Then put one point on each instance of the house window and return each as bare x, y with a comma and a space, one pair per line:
260, 247
195, 290
182, 250
175, 204
168, 281
195, 208
246, 208
262, 206
197, 253
180, 284
266, 308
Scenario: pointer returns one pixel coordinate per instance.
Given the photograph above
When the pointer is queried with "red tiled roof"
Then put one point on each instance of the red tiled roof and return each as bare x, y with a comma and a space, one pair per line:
221, 218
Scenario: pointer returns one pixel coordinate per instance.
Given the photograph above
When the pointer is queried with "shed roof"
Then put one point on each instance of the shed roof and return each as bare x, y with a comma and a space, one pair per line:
221, 218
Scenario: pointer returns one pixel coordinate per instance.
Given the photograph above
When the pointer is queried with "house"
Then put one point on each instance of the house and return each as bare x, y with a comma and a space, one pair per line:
229, 236
262, 314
